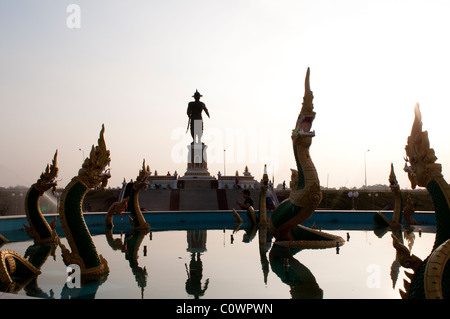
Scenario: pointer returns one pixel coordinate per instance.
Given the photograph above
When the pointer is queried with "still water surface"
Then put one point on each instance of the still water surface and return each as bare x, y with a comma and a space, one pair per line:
229, 264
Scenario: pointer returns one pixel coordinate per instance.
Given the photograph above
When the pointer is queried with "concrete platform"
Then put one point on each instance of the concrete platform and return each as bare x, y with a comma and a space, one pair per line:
190, 199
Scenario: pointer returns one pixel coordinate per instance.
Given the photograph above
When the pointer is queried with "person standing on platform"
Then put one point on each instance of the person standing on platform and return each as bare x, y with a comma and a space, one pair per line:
248, 200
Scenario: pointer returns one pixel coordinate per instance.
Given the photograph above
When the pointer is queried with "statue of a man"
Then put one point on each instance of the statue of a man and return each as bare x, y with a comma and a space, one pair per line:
194, 111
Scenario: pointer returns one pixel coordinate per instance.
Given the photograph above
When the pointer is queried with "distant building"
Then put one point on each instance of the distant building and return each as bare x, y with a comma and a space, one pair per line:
245, 181
168, 181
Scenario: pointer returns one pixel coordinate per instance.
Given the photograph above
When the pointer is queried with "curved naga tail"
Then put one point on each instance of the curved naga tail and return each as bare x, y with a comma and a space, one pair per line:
92, 174
305, 194
39, 229
431, 278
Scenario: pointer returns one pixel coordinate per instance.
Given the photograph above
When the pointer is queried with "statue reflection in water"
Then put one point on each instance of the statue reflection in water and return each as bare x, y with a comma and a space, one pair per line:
196, 246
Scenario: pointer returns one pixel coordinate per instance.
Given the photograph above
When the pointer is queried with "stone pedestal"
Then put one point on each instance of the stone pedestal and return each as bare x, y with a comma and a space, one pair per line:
197, 175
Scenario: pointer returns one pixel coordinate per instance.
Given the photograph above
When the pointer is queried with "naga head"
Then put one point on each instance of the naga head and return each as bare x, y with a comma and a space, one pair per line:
142, 179
95, 169
393, 183
302, 134
420, 158
47, 179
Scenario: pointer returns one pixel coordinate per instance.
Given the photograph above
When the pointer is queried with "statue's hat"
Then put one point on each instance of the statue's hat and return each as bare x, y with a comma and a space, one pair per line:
197, 93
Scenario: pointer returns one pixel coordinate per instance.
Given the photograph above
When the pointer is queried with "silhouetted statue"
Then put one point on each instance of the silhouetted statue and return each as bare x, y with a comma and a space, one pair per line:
194, 111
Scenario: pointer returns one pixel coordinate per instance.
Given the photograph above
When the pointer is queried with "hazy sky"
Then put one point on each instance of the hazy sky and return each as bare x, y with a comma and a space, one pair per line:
134, 65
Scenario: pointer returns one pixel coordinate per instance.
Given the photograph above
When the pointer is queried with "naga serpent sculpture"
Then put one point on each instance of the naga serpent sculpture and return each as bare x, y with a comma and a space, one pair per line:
305, 196
137, 219
13, 265
115, 208
41, 231
381, 220
92, 174
431, 277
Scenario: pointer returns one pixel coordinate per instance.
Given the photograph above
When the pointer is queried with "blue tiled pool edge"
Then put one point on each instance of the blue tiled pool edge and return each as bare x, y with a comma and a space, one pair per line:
12, 227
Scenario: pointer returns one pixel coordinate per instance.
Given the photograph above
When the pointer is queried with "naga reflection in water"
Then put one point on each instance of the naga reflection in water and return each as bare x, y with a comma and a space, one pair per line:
201, 263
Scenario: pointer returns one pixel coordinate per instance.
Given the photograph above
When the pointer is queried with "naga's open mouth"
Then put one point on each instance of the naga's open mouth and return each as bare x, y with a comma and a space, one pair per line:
106, 172
306, 124
52, 181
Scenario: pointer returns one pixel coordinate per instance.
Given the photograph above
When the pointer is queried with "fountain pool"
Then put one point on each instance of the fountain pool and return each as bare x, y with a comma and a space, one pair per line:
228, 264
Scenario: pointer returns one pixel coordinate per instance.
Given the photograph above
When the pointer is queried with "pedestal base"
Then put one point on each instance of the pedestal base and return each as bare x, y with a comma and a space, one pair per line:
197, 175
